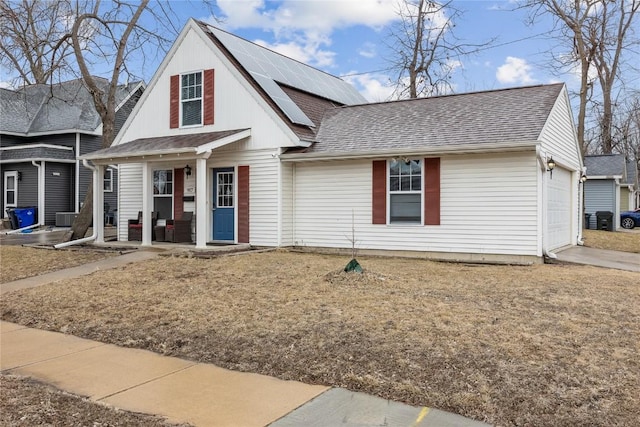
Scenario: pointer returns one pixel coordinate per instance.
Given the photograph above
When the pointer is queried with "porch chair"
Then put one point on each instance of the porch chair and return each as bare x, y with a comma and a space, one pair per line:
179, 230
135, 227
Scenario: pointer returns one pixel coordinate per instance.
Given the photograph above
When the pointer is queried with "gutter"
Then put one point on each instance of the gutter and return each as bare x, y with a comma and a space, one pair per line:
414, 151
93, 236
19, 230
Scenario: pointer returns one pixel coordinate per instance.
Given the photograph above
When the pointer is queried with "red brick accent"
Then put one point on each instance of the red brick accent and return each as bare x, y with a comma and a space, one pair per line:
432, 191
208, 99
174, 102
243, 204
178, 193
379, 196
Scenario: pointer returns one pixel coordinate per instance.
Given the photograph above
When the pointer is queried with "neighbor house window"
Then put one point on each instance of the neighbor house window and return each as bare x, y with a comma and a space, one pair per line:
191, 98
163, 193
108, 180
405, 191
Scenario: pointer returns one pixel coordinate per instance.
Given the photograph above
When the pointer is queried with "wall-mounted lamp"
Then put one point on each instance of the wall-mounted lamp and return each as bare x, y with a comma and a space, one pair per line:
19, 176
550, 166
583, 178
187, 171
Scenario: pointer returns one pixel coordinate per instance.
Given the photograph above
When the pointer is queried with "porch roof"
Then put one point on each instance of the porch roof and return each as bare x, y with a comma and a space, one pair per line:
143, 149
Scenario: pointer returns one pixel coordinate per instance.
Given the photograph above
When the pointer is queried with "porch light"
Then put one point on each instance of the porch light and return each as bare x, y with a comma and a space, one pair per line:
550, 166
187, 171
583, 177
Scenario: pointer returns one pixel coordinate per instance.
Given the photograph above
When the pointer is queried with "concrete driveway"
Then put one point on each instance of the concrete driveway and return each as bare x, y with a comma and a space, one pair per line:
600, 258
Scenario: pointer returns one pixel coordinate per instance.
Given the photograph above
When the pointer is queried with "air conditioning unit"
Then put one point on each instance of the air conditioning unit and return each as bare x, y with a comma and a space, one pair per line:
65, 219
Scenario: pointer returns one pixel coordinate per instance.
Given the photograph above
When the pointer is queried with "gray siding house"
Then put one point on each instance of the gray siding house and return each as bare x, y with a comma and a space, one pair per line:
607, 175
43, 132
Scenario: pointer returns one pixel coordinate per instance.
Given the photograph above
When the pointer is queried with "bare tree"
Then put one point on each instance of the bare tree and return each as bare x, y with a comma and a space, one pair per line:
92, 39
425, 50
595, 34
29, 33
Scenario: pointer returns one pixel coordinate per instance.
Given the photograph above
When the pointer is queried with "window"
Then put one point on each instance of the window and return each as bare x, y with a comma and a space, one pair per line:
191, 99
405, 191
108, 180
225, 189
163, 193
11, 189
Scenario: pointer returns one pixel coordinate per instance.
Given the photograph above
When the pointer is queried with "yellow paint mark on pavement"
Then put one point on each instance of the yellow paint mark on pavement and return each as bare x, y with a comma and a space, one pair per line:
421, 416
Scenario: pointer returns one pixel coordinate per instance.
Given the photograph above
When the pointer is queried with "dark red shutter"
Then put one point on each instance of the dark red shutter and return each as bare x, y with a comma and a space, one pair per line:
243, 204
174, 105
379, 196
208, 96
178, 193
432, 191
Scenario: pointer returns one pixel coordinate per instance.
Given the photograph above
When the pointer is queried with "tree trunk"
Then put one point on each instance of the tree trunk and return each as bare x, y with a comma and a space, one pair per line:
85, 217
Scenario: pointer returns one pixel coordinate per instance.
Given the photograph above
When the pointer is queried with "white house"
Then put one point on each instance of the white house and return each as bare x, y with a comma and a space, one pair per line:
269, 151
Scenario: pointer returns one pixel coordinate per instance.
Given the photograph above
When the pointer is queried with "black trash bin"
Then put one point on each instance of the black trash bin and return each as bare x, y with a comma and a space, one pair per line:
587, 219
604, 220
13, 219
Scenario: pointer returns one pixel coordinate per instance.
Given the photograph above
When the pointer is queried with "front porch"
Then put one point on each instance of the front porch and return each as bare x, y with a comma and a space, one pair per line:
170, 184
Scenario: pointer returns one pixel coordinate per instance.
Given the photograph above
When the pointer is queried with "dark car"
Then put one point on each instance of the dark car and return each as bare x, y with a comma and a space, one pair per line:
630, 219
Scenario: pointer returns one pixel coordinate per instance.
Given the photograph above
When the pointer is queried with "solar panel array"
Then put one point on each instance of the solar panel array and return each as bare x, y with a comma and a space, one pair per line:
268, 67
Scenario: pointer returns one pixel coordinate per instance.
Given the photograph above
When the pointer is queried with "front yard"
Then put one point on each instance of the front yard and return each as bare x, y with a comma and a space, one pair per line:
539, 345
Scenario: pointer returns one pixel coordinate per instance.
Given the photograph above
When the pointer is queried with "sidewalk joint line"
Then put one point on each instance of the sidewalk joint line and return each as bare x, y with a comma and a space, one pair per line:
100, 344
147, 382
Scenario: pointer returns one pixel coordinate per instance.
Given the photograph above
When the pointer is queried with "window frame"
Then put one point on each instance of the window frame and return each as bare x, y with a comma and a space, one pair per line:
182, 100
400, 191
108, 171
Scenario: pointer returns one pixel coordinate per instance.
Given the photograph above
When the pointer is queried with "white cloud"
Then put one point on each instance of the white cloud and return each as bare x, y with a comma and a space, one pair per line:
303, 29
374, 87
368, 50
515, 70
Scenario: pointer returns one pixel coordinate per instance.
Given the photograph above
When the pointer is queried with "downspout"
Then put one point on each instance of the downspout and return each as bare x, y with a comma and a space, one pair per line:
543, 165
95, 212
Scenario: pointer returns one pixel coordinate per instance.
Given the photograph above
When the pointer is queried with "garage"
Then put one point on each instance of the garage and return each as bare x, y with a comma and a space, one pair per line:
559, 201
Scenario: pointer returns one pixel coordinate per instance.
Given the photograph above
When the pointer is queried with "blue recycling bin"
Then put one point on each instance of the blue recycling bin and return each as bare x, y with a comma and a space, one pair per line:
25, 216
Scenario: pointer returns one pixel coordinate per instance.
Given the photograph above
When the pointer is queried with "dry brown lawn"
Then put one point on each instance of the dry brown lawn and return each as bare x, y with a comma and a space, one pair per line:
27, 403
544, 345
18, 262
624, 241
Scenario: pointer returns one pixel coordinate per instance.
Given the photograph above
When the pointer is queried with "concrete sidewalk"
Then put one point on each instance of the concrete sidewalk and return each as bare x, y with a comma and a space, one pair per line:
200, 394
600, 258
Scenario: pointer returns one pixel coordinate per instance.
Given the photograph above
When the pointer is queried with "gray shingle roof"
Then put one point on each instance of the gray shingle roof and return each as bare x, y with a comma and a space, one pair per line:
145, 146
59, 107
506, 115
632, 172
605, 165
34, 153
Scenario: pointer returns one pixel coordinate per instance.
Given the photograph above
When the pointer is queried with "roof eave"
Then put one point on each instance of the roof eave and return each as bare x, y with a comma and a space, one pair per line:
414, 151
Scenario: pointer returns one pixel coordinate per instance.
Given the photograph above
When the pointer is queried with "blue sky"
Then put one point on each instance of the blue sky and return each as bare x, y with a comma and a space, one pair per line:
347, 38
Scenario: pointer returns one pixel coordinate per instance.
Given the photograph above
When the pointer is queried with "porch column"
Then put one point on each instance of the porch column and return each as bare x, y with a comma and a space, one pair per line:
201, 203
147, 204
98, 203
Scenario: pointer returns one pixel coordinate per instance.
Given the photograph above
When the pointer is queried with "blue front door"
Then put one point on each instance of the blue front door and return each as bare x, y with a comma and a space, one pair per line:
223, 204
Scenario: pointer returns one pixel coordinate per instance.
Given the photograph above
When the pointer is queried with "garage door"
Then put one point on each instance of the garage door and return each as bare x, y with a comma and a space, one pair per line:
559, 218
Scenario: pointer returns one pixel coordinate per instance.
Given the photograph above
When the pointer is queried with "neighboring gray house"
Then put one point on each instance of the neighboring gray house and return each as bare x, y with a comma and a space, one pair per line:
43, 132
606, 175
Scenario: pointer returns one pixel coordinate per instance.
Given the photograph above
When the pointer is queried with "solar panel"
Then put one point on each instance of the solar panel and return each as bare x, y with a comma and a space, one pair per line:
268, 67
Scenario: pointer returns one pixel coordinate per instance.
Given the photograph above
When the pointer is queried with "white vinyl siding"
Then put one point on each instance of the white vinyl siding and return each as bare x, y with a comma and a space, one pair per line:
130, 196
238, 105
488, 206
263, 189
287, 177
558, 137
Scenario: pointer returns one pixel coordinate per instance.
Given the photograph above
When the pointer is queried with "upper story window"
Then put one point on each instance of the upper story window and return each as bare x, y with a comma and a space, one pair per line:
108, 180
405, 191
191, 99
